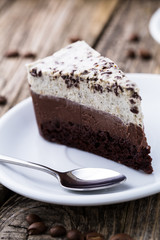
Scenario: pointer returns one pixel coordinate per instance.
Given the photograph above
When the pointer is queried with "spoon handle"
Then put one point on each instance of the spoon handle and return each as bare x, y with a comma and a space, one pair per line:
22, 163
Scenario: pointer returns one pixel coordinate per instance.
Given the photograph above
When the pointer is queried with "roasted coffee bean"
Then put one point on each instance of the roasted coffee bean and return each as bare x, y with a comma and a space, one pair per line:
12, 54
121, 236
74, 235
29, 55
31, 218
36, 228
57, 231
74, 39
131, 53
145, 54
3, 100
94, 236
134, 37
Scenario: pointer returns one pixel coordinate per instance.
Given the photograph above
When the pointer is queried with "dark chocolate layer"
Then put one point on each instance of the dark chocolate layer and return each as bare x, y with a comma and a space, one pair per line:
66, 122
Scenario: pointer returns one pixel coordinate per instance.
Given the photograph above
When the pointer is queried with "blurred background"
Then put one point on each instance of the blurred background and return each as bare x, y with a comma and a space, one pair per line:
33, 29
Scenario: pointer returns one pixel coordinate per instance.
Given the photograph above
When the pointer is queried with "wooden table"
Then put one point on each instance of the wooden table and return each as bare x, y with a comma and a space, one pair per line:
42, 27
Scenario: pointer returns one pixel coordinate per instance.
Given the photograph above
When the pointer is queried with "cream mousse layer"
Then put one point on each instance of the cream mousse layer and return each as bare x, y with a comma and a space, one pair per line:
80, 74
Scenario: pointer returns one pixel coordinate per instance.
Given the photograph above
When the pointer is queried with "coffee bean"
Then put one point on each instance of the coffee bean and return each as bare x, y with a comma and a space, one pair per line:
131, 53
57, 231
74, 235
36, 228
145, 54
74, 39
29, 55
121, 236
94, 236
134, 37
31, 218
12, 54
3, 100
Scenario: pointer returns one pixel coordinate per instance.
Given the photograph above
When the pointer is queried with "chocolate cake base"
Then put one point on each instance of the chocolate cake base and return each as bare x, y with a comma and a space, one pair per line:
63, 121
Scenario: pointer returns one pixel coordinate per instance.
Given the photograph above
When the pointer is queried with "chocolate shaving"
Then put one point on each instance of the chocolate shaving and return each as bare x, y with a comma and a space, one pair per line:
118, 77
109, 89
39, 73
34, 73
136, 95
116, 91
109, 72
71, 81
98, 88
134, 110
115, 88
132, 101
121, 88
85, 72
130, 89
104, 67
111, 64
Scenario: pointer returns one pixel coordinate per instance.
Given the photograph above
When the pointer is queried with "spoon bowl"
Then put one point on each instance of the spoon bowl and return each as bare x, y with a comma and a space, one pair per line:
81, 179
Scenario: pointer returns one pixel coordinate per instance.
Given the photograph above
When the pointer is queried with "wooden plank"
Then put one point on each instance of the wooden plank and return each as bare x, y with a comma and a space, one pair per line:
140, 219
143, 218
131, 17
4, 4
35, 28
103, 219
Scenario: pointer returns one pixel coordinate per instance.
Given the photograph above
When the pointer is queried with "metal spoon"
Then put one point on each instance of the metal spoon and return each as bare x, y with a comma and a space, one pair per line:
82, 179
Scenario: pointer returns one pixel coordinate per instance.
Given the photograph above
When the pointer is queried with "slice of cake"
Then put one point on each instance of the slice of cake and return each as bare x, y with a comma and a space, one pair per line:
83, 100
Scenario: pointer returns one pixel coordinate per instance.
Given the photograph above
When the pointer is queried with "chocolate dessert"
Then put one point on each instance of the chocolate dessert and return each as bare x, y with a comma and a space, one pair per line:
83, 100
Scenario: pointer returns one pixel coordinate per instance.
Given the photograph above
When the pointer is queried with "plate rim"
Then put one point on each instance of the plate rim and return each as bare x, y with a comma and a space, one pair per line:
153, 187
152, 26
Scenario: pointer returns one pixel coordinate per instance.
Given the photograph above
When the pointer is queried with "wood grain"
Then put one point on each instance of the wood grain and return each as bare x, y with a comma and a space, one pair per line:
43, 27
139, 218
131, 17
103, 219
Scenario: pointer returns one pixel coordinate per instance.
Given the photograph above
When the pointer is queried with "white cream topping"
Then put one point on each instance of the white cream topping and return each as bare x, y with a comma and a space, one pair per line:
79, 73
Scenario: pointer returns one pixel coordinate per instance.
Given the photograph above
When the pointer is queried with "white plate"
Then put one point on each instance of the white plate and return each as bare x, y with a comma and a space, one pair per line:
19, 138
154, 25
